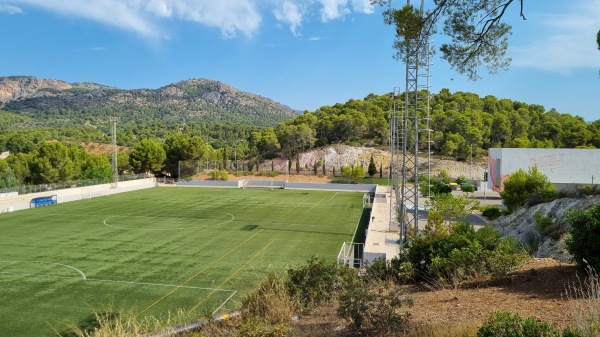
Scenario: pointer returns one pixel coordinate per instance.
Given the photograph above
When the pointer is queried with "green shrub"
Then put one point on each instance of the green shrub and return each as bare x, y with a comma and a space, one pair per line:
398, 269
505, 324
317, 282
272, 174
527, 188
547, 226
491, 212
373, 306
460, 253
353, 174
254, 327
460, 179
437, 187
588, 190
583, 240
467, 188
219, 174
445, 176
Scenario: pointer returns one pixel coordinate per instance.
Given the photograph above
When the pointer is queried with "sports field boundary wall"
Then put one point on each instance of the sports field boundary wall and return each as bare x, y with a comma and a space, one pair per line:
15, 202
280, 184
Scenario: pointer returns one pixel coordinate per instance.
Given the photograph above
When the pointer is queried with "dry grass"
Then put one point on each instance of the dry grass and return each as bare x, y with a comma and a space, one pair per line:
460, 329
584, 299
271, 301
111, 324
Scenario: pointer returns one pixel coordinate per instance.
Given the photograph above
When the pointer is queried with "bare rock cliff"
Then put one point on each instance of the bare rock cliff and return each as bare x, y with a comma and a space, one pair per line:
15, 87
521, 225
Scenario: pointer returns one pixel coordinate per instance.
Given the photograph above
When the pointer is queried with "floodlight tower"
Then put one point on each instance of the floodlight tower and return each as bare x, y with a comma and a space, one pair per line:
415, 120
115, 167
395, 120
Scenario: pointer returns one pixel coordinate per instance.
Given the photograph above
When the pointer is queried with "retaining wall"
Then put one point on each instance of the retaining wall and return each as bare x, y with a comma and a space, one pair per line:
11, 202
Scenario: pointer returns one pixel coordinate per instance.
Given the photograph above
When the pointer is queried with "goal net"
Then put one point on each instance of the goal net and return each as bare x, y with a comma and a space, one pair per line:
93, 191
367, 200
351, 255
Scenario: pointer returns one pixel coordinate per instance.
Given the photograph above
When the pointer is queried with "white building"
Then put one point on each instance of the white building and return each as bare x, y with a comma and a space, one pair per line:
563, 167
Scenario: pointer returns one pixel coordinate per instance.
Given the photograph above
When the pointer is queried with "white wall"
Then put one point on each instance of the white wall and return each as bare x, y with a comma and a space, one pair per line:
13, 202
561, 166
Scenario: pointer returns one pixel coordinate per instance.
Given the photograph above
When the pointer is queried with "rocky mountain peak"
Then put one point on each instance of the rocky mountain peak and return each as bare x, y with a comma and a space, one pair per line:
16, 87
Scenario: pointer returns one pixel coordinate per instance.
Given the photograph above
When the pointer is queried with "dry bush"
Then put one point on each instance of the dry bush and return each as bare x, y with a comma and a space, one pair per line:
584, 299
271, 301
458, 330
111, 324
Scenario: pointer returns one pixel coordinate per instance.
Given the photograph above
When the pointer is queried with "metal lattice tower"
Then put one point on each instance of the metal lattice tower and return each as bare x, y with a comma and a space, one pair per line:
115, 167
395, 157
408, 121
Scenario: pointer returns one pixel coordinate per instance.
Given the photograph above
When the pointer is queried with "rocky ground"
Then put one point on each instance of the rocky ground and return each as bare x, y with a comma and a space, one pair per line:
537, 289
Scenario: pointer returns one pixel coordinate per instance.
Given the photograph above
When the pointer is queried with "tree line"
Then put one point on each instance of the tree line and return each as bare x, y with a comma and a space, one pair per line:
463, 125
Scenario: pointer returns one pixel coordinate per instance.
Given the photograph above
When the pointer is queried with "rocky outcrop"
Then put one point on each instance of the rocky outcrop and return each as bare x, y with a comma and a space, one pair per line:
17, 87
521, 225
336, 156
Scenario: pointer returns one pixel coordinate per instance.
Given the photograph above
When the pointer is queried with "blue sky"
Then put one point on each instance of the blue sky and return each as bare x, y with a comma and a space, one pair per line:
301, 53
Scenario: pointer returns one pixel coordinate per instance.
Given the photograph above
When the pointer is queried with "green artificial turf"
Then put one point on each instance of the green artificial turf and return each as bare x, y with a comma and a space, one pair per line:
160, 250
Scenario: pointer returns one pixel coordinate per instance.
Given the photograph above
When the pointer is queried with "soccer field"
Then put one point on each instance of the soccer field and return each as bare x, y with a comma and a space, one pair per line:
159, 250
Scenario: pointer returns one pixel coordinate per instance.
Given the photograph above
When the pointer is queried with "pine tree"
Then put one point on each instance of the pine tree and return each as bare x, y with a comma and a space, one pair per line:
372, 168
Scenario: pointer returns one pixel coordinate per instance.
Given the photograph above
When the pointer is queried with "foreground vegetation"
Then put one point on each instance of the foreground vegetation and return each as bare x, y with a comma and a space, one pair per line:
375, 303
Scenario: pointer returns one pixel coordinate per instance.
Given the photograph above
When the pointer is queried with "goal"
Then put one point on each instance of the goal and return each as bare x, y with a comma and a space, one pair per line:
92, 191
351, 255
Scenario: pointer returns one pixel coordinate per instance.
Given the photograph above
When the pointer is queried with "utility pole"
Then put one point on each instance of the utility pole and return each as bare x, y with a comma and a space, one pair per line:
115, 167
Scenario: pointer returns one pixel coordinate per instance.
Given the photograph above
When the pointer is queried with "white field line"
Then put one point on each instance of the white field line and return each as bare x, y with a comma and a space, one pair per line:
232, 275
225, 302
105, 222
83, 277
52, 263
159, 285
336, 193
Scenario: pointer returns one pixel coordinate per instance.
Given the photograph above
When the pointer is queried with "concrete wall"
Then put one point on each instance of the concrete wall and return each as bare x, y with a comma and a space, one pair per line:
564, 167
11, 202
280, 184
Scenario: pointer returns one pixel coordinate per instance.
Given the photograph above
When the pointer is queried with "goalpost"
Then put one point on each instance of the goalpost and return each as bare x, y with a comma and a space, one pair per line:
350, 255
92, 191
367, 200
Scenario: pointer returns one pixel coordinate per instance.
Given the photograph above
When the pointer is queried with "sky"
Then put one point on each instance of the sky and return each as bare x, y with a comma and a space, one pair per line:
301, 53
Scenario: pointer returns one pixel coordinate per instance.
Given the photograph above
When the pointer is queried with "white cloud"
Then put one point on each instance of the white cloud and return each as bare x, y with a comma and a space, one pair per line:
562, 41
120, 14
363, 6
333, 9
289, 13
231, 17
10, 9
142, 16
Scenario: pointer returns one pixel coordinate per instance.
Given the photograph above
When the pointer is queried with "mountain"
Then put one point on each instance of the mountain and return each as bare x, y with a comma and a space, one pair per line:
55, 103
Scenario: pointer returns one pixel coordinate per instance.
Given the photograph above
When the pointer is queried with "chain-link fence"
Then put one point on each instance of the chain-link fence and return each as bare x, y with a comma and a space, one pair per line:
26, 189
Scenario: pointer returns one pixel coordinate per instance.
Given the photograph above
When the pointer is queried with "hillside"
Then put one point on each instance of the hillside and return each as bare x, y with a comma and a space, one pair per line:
54, 103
